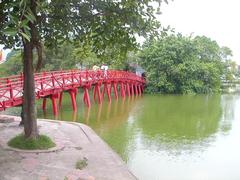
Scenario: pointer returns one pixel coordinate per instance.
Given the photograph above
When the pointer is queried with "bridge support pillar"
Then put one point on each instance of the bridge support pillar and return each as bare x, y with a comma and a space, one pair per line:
128, 89
44, 104
107, 89
54, 98
139, 90
114, 85
97, 92
136, 90
86, 97
142, 88
132, 90
73, 94
60, 99
122, 89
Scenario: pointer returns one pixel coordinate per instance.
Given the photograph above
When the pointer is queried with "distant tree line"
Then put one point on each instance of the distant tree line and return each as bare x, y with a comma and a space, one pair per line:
66, 56
173, 63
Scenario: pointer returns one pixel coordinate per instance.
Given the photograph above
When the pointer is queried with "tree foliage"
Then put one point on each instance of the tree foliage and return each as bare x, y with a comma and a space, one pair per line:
13, 64
180, 64
67, 56
103, 23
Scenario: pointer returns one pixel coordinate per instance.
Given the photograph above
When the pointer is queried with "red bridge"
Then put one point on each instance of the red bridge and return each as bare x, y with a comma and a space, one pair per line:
53, 84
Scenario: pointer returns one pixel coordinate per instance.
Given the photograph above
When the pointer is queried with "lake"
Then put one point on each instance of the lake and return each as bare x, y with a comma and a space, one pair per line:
177, 137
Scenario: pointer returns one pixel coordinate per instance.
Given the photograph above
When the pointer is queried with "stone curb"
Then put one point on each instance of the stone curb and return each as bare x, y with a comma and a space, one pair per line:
54, 149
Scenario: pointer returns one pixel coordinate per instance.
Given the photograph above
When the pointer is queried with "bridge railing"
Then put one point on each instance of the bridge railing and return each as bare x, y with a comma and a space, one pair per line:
11, 88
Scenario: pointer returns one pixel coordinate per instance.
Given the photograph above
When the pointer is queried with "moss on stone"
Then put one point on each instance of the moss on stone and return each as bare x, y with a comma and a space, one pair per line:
41, 143
81, 163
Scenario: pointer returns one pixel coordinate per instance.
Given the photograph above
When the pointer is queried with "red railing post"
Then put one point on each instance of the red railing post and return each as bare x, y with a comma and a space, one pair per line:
52, 78
9, 85
63, 80
21, 78
72, 75
86, 75
42, 80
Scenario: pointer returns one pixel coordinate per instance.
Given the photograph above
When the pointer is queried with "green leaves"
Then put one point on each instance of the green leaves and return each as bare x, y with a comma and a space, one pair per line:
10, 31
105, 23
29, 15
25, 36
15, 24
179, 64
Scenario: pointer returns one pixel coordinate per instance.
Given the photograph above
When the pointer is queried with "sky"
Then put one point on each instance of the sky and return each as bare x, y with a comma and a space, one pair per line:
217, 19
4, 52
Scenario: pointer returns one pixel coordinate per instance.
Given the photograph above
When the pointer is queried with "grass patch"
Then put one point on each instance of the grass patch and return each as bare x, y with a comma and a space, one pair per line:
42, 142
81, 163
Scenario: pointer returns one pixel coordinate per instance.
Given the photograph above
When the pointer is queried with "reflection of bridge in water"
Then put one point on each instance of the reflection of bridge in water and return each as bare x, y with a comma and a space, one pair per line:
53, 84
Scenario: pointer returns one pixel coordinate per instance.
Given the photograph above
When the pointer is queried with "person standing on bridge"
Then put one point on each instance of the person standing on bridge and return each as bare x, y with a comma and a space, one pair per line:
104, 68
95, 68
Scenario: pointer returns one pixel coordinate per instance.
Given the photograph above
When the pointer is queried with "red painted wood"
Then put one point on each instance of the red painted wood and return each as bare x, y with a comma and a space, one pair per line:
122, 89
139, 90
132, 90
128, 89
136, 90
73, 95
86, 97
44, 104
108, 88
60, 99
54, 98
47, 84
115, 90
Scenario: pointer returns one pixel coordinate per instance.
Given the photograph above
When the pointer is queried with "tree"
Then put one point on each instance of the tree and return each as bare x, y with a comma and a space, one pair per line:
182, 64
230, 70
30, 23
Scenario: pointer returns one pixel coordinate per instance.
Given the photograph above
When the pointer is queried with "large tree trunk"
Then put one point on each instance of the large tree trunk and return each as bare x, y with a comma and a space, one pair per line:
29, 114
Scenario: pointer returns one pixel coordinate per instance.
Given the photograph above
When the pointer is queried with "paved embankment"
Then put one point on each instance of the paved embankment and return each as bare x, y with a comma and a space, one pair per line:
74, 142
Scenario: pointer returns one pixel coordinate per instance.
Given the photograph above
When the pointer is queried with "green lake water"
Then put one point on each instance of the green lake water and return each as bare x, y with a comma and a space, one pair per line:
177, 137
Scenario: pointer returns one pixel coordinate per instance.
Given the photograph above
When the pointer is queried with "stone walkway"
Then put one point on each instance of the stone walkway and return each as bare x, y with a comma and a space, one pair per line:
74, 142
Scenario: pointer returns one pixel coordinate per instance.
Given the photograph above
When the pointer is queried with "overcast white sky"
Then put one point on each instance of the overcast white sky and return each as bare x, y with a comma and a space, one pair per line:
217, 19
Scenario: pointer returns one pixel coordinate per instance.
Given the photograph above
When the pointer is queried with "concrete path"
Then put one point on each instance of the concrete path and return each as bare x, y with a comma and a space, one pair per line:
74, 142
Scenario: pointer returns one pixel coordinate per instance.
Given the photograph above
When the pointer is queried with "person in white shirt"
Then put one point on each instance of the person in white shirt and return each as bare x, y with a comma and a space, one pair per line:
95, 68
104, 67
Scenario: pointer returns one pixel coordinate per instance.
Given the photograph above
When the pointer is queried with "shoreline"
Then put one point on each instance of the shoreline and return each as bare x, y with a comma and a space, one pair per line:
74, 141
